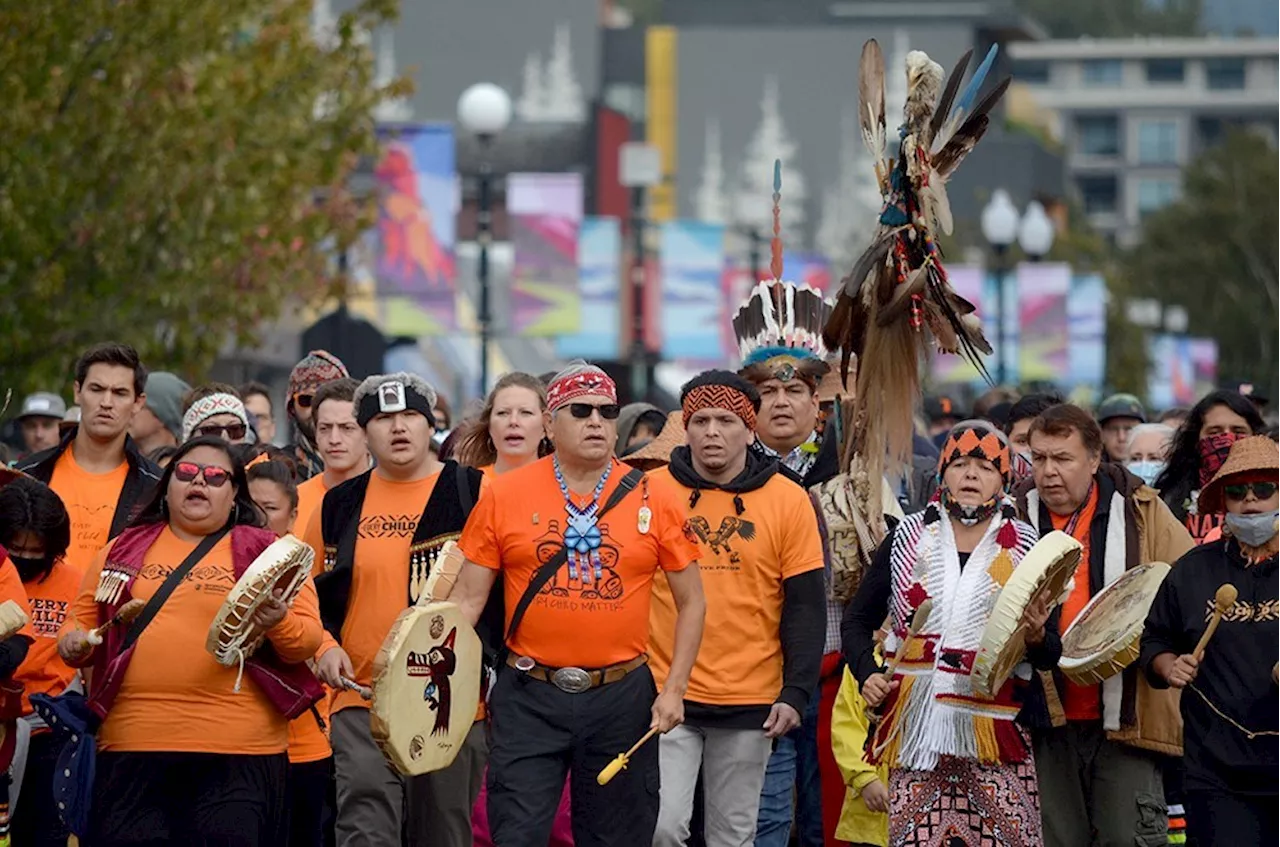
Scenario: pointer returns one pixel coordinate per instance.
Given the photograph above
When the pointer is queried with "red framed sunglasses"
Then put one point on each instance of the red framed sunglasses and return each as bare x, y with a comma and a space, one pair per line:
214, 476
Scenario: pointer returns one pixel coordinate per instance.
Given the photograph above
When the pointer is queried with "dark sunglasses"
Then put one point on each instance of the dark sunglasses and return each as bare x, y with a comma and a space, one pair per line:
214, 476
303, 401
1261, 490
234, 432
609, 411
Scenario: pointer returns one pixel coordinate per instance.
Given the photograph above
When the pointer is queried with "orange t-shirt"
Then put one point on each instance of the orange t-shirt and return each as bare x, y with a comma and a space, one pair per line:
1079, 702
49, 599
174, 697
91, 503
380, 578
519, 524
743, 560
310, 496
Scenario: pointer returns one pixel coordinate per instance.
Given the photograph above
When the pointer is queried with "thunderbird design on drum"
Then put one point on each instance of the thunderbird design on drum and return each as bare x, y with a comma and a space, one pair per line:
437, 665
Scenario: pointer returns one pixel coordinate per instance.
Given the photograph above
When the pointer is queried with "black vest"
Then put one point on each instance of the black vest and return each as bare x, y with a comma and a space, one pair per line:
443, 518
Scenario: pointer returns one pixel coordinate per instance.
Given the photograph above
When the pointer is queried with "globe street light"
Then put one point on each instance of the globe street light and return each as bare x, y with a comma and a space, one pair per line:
1035, 236
484, 109
1000, 228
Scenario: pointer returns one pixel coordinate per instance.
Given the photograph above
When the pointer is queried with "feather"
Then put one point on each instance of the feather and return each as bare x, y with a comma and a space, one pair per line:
935, 203
964, 102
949, 93
865, 264
965, 139
871, 100
900, 300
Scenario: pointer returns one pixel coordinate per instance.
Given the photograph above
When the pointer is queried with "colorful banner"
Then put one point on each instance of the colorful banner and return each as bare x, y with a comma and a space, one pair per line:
417, 207
544, 216
692, 264
1043, 353
1182, 370
599, 283
1087, 331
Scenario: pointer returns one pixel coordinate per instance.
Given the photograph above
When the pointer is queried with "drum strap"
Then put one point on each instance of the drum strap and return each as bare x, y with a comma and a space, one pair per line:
167, 587
548, 570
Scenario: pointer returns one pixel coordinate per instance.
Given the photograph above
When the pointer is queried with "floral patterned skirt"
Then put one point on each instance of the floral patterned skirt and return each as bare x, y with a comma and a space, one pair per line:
963, 803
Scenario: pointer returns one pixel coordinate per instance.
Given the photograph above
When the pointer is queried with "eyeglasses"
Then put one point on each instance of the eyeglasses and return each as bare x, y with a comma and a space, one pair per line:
231, 432
1261, 490
214, 476
608, 412
303, 401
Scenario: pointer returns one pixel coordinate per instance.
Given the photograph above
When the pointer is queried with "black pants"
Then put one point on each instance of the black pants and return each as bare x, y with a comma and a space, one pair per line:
188, 799
539, 732
311, 804
36, 822
1220, 819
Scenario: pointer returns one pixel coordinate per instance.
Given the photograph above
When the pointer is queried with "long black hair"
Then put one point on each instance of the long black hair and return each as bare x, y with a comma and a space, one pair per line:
1182, 474
244, 512
30, 506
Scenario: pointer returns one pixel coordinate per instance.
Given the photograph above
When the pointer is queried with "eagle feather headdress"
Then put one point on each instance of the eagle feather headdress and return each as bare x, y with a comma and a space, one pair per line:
897, 303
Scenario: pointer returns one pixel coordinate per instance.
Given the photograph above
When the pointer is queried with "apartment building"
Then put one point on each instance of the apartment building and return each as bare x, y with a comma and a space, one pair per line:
1131, 113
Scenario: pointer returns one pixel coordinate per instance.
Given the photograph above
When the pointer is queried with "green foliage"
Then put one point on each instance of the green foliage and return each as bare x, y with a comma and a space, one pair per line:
1114, 18
1214, 252
172, 174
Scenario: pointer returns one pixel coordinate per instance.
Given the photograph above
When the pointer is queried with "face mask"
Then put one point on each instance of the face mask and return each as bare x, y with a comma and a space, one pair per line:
1148, 471
968, 515
1022, 468
28, 569
1213, 453
1252, 530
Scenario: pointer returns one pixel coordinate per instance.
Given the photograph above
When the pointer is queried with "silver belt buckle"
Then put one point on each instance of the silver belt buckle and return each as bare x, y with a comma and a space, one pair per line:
524, 664
571, 680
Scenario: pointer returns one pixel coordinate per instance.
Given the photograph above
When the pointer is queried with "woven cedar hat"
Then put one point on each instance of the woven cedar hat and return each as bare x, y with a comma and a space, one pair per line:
658, 451
1257, 455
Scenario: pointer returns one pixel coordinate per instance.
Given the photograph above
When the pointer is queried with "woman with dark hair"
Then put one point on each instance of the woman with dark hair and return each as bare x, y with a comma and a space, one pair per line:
184, 757
36, 530
1199, 448
511, 430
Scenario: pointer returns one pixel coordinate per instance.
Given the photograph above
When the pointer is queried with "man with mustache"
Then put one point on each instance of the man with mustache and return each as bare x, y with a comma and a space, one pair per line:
96, 469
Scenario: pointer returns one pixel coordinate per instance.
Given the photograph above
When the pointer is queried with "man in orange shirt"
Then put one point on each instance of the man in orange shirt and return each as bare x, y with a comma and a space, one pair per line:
1099, 780
579, 540
96, 469
376, 538
761, 559
340, 440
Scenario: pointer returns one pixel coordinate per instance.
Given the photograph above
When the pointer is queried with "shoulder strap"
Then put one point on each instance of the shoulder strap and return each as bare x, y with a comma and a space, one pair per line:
544, 574
465, 499
167, 587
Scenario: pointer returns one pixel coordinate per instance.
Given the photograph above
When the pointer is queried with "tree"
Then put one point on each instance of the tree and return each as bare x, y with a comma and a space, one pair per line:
754, 196
174, 175
1114, 18
850, 207
1214, 253
532, 105
563, 93
709, 202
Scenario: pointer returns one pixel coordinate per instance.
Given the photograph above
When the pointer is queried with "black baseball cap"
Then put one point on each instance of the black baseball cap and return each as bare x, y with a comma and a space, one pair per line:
941, 406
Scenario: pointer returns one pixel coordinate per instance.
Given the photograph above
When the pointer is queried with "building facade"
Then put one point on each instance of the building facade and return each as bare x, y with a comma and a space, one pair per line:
1132, 113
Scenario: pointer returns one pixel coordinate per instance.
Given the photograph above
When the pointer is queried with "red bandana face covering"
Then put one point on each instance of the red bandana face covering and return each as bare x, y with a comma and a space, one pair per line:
1213, 453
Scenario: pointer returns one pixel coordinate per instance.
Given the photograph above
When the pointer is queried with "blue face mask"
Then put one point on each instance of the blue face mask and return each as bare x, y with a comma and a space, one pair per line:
1252, 530
1148, 470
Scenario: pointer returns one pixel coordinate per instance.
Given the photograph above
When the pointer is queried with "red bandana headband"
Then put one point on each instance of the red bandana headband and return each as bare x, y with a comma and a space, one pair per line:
719, 397
593, 383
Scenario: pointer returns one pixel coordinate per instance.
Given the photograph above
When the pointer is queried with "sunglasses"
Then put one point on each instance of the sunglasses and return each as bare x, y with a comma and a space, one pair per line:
1261, 490
608, 412
232, 432
214, 476
303, 401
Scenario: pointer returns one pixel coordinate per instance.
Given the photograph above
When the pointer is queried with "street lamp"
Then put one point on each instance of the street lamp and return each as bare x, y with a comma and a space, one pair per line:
1000, 228
1035, 235
485, 110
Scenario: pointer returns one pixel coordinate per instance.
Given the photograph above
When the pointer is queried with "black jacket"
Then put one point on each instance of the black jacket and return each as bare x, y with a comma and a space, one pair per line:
1235, 673
139, 483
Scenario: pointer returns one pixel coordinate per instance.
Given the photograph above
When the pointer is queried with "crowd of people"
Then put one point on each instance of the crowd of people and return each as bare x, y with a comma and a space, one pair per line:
695, 569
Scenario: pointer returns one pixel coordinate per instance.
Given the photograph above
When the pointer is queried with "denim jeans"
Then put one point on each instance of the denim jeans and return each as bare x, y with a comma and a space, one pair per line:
793, 767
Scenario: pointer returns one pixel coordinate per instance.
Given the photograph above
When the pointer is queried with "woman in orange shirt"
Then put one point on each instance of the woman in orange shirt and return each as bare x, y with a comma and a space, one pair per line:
185, 758
511, 433
310, 810
36, 530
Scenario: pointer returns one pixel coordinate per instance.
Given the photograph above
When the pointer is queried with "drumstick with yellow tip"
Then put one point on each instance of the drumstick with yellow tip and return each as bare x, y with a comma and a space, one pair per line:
611, 770
125, 614
1223, 599
918, 620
